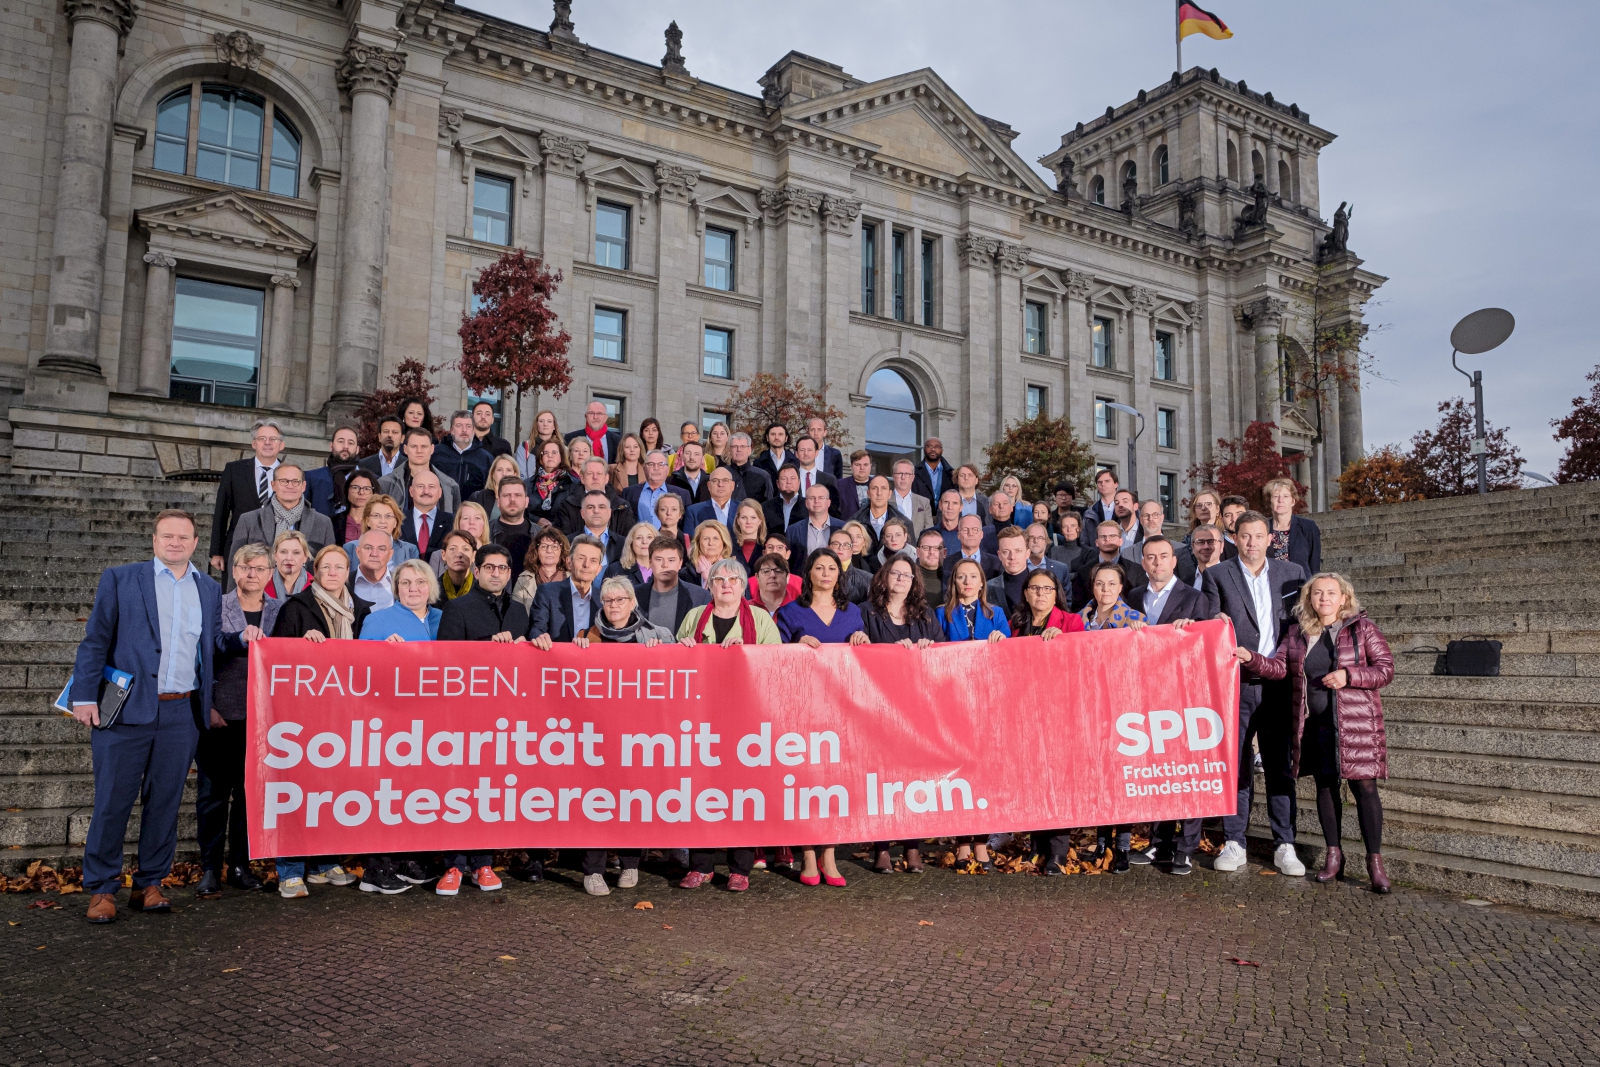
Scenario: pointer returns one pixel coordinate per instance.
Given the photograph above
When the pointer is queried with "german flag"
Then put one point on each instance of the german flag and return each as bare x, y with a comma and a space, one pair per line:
1194, 19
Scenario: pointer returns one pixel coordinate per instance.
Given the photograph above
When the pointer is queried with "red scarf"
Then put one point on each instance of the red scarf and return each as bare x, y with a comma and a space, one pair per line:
597, 441
747, 623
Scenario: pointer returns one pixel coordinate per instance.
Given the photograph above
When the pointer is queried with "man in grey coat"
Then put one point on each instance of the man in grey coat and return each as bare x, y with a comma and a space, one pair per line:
418, 449
287, 509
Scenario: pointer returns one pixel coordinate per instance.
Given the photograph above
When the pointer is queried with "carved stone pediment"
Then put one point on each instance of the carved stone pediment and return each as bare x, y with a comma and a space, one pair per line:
225, 219
501, 146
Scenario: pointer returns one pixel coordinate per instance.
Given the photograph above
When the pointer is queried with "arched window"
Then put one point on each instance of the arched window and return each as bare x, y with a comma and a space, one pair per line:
1130, 172
1258, 166
241, 139
1285, 182
1233, 162
1097, 191
894, 416
1163, 172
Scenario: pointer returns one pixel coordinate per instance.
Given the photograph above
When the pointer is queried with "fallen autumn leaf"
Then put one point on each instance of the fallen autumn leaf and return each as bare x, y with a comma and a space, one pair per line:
923, 922
644, 905
505, 957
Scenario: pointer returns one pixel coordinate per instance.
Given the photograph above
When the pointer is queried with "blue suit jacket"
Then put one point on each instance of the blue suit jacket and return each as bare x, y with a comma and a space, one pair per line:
704, 510
319, 490
796, 536
552, 609
125, 632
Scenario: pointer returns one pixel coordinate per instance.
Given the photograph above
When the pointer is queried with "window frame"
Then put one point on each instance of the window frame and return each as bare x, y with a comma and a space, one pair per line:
706, 329
730, 266
869, 268
616, 421
509, 214
1167, 428
203, 336
1105, 418
1103, 347
1161, 166
267, 158
1036, 338
625, 241
594, 335
930, 257
1097, 190
1171, 357
897, 274
918, 414
1167, 492
1035, 400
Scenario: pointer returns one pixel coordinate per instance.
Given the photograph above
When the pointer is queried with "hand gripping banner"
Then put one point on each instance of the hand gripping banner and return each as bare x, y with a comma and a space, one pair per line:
376, 747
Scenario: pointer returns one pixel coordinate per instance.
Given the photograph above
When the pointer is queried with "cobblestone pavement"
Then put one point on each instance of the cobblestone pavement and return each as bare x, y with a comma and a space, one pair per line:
1013, 970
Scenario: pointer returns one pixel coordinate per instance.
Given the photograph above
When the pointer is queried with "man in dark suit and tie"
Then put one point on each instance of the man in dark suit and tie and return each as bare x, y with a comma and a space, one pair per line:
426, 520
807, 536
788, 504
603, 440
718, 505
828, 457
811, 473
158, 621
1256, 593
565, 610
245, 486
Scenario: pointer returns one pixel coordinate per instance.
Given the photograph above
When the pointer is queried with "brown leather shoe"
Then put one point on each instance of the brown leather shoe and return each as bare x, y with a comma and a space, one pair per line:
1332, 866
1375, 871
102, 908
150, 898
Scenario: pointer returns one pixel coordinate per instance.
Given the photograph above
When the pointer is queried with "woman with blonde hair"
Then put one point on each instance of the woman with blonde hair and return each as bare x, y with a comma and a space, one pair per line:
290, 554
544, 429
412, 616
1205, 508
711, 543
635, 558
326, 609
384, 514
749, 533
1336, 660
1294, 537
629, 467
471, 520
500, 468
717, 448
1021, 511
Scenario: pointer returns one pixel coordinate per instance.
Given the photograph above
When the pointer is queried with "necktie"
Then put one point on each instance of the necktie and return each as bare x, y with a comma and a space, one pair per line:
264, 489
422, 538
808, 482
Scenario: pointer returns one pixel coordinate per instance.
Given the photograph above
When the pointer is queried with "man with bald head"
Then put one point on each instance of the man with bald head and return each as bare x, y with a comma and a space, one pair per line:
720, 505
603, 440
374, 568
426, 521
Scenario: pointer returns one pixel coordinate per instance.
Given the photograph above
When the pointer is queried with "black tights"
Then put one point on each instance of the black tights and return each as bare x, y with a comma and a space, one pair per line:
1369, 811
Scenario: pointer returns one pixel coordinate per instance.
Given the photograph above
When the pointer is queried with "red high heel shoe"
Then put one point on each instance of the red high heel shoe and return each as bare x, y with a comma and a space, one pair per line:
836, 882
811, 879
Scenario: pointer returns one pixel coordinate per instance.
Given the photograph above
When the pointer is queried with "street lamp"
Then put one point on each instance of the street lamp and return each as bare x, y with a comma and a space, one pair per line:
1479, 332
1133, 459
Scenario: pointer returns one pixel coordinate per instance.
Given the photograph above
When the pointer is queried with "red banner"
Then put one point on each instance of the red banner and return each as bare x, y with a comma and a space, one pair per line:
368, 747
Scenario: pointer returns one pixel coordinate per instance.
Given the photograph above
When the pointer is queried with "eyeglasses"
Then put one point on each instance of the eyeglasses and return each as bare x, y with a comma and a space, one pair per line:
248, 569
495, 568
290, 481
1041, 589
614, 601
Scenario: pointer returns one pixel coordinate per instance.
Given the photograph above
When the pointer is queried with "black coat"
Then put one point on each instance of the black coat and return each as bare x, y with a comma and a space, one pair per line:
687, 600
773, 510
301, 614
612, 441
1305, 544
569, 515
922, 483
770, 466
1134, 581
1184, 602
442, 523
237, 494
1227, 594
750, 481
494, 445
701, 491
988, 560
476, 615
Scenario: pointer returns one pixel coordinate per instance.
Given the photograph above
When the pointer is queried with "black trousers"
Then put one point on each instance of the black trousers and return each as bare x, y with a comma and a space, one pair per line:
1180, 836
224, 826
740, 861
594, 860
1264, 715
466, 862
1119, 836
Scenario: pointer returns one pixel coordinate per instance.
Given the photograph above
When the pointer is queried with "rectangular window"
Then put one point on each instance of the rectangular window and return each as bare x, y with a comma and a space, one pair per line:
869, 269
719, 259
1105, 344
611, 235
1166, 428
610, 335
898, 258
491, 209
1033, 327
717, 354
614, 406
708, 419
1038, 401
1167, 491
1105, 419
1166, 357
216, 343
927, 281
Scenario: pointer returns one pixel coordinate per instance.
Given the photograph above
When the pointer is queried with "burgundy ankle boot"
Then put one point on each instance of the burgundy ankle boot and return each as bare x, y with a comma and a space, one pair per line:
1332, 866
1375, 871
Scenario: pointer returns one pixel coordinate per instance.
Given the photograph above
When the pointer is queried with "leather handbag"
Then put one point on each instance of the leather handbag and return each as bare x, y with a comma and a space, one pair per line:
1479, 658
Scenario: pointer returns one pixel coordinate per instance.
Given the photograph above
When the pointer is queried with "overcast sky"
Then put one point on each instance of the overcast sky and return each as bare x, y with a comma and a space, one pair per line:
1467, 141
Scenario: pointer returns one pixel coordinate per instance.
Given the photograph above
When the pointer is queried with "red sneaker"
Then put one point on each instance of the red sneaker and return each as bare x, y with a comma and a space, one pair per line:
785, 856
694, 880
449, 883
761, 859
486, 879
738, 883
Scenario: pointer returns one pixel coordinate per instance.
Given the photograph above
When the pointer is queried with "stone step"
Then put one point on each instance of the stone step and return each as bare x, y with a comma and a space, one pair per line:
1493, 623
33, 701
53, 728
30, 652
30, 631
1421, 512
1531, 689
1490, 804
1449, 738
69, 827
1553, 776
1505, 714
1512, 664
25, 761
1453, 602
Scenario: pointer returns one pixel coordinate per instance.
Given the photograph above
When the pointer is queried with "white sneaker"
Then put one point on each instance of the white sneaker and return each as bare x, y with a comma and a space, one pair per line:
290, 888
1231, 858
595, 885
628, 878
1287, 862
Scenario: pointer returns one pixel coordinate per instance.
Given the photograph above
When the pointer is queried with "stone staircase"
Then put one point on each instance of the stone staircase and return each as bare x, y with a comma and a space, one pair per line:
1495, 786
57, 532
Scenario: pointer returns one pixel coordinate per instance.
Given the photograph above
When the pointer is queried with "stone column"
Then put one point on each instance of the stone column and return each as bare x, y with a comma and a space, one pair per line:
561, 242
279, 351
976, 254
1077, 404
1266, 320
1141, 363
1011, 262
155, 344
678, 350
839, 215
68, 373
1352, 446
791, 213
370, 75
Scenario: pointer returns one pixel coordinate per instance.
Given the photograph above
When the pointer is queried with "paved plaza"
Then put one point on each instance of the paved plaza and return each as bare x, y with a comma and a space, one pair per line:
1013, 970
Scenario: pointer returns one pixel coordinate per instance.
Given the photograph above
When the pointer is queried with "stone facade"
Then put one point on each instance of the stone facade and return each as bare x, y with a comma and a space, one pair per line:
986, 282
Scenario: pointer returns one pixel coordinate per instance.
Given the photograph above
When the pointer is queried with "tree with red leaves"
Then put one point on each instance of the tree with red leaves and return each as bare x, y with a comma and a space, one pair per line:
514, 342
768, 398
1242, 466
1581, 430
1444, 459
409, 380
1382, 476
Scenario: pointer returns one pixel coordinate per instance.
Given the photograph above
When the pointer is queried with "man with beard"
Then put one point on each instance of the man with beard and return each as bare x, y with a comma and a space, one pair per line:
325, 484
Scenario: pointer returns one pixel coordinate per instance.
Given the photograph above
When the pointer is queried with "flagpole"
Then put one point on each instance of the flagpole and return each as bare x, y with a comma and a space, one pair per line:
1177, 30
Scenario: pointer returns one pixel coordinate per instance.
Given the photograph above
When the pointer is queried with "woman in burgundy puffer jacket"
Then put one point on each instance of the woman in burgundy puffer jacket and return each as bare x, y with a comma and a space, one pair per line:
1336, 660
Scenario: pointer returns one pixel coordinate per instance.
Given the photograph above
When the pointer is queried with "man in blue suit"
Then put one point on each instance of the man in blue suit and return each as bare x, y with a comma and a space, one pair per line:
808, 536
157, 621
564, 611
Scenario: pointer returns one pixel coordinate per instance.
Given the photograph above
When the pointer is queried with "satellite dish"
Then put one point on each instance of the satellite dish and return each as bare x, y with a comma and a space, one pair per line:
1482, 330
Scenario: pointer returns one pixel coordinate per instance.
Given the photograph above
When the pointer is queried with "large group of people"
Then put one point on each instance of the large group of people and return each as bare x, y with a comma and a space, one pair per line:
601, 536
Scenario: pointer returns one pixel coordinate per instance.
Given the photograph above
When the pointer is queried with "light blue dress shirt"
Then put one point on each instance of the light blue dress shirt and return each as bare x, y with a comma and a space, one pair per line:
580, 609
648, 498
178, 605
